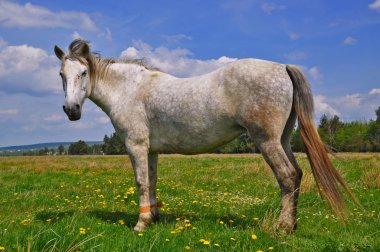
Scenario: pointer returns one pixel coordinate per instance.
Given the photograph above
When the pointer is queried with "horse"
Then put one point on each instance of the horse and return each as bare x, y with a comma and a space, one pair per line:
155, 112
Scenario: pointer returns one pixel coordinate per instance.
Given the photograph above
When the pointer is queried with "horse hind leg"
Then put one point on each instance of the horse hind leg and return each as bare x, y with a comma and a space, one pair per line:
285, 141
286, 176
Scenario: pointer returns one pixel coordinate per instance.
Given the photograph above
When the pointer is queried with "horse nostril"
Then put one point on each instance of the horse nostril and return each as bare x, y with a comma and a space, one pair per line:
77, 106
64, 108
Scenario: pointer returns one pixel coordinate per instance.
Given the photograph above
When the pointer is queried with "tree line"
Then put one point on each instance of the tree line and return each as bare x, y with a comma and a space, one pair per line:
354, 136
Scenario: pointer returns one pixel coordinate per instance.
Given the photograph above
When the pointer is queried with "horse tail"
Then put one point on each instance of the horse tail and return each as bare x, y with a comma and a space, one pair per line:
326, 176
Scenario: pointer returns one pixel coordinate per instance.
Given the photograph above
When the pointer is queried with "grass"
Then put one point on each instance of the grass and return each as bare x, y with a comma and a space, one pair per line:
212, 202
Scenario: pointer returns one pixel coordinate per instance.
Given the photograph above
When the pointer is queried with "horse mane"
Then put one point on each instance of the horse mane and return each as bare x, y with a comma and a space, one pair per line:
98, 66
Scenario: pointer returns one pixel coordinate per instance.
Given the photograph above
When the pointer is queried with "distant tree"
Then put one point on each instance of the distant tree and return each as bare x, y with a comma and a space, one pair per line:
328, 128
61, 149
296, 141
373, 133
78, 148
114, 145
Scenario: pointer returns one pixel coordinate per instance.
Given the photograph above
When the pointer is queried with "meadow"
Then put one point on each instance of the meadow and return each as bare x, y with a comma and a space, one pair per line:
212, 203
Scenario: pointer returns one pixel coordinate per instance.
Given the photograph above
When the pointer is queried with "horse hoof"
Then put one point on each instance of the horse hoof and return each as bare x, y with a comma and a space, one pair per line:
140, 227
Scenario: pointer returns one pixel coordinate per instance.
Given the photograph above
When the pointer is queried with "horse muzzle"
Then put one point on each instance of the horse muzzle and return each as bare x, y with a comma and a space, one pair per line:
72, 112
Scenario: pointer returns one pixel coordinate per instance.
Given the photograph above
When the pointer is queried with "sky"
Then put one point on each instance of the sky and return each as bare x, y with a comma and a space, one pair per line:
336, 44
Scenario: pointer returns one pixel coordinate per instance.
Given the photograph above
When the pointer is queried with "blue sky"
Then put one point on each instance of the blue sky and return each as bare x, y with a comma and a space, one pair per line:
335, 42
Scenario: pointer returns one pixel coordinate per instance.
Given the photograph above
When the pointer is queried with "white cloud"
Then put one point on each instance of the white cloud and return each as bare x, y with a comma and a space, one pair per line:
102, 119
297, 55
375, 91
75, 35
315, 73
176, 38
54, 118
293, 36
322, 107
8, 112
375, 5
107, 34
14, 15
2, 42
175, 61
349, 41
268, 8
28, 69
359, 106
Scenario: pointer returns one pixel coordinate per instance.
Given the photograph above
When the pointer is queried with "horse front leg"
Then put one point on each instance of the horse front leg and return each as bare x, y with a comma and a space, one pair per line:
139, 157
152, 163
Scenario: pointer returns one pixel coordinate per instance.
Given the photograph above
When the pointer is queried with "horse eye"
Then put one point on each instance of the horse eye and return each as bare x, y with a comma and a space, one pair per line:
84, 74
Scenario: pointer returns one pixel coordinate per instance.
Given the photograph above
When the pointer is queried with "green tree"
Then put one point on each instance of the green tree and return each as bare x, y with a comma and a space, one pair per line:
78, 148
61, 149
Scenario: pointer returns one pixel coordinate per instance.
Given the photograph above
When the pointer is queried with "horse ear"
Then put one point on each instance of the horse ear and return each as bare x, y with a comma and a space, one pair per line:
85, 51
58, 52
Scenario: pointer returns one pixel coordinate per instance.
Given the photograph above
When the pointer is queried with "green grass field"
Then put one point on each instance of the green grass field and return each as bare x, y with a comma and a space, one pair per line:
212, 202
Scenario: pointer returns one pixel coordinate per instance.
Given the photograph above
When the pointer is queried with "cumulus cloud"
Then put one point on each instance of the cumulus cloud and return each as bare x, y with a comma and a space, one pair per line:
295, 56
293, 35
315, 73
349, 41
174, 61
14, 15
103, 119
349, 107
25, 68
268, 7
375, 5
54, 118
322, 106
375, 91
8, 112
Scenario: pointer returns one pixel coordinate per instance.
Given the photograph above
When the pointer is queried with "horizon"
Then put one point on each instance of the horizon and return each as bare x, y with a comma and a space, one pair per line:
335, 44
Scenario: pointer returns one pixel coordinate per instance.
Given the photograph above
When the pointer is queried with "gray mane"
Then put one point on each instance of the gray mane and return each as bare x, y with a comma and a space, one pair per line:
98, 66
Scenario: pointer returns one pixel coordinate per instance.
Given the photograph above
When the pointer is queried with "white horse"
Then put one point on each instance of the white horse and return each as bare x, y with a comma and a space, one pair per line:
159, 113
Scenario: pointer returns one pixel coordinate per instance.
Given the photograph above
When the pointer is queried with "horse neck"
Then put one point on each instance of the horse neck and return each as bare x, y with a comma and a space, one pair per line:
119, 83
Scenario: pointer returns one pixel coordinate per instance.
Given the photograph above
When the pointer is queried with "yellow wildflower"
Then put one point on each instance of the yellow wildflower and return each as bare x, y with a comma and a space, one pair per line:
173, 232
82, 231
167, 240
2, 248
48, 220
221, 222
121, 222
270, 248
232, 239
254, 237
216, 244
187, 247
259, 250
140, 234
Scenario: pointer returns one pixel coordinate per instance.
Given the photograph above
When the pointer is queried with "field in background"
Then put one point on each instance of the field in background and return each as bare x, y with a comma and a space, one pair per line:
212, 202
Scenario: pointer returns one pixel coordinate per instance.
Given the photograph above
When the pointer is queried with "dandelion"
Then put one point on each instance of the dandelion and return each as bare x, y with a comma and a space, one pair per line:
270, 248
140, 234
173, 231
187, 225
77, 197
48, 220
167, 240
259, 250
221, 222
187, 247
121, 222
255, 219
2, 248
82, 231
206, 242
232, 239
24, 222
133, 202
216, 244
101, 196
187, 221
254, 237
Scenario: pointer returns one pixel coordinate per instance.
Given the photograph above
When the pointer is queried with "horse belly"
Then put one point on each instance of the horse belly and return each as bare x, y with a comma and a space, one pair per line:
192, 140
